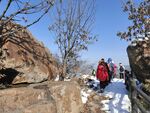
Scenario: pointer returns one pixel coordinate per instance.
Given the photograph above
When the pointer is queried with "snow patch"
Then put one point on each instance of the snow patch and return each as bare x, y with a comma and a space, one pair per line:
57, 78
118, 101
118, 97
84, 95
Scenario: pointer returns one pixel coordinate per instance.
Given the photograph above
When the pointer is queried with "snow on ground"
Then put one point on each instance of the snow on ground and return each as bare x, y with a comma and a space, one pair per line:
85, 95
118, 97
86, 92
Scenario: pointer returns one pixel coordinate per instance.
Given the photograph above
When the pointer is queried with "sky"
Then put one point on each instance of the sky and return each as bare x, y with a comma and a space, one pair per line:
109, 19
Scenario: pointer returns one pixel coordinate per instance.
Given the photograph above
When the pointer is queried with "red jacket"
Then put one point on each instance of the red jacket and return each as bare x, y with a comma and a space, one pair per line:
102, 73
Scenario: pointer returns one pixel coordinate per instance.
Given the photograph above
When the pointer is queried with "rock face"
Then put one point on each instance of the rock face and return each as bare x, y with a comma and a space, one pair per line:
52, 97
139, 58
67, 96
94, 104
25, 100
24, 59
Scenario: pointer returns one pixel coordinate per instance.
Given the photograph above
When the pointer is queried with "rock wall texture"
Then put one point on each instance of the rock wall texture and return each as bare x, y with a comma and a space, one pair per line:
23, 58
51, 97
67, 96
139, 58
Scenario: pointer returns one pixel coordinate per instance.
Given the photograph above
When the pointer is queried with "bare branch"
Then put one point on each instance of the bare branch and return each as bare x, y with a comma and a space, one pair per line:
138, 14
7, 7
24, 8
8, 33
39, 18
73, 21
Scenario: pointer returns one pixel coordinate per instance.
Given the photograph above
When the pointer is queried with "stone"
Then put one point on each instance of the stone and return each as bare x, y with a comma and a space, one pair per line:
93, 104
44, 107
23, 59
26, 100
46, 97
139, 59
67, 96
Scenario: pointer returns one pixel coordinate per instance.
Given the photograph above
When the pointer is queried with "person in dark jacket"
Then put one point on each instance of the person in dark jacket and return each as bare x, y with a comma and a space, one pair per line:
121, 71
111, 69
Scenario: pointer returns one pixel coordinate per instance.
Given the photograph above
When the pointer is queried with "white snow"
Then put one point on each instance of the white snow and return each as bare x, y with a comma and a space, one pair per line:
146, 38
85, 95
85, 76
118, 95
86, 92
57, 78
119, 101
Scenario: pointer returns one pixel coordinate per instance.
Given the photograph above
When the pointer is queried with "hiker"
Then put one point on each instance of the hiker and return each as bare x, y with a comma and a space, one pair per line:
121, 71
115, 70
111, 69
93, 72
108, 71
102, 75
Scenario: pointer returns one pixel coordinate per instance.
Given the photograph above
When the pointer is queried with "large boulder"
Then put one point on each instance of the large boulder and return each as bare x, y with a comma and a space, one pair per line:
26, 100
67, 96
139, 58
49, 97
23, 59
94, 105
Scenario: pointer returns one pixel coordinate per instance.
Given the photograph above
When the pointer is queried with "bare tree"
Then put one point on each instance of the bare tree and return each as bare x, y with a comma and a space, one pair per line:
85, 67
22, 12
79, 67
139, 14
72, 27
72, 65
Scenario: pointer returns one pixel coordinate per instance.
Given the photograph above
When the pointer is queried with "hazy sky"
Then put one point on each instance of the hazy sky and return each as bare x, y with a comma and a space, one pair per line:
109, 20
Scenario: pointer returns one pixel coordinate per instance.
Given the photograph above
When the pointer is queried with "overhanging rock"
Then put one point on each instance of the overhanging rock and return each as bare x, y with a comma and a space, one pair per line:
20, 51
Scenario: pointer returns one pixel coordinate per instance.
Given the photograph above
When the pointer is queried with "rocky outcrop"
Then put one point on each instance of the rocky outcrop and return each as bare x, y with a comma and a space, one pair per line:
90, 97
94, 104
23, 59
51, 97
26, 100
67, 96
139, 58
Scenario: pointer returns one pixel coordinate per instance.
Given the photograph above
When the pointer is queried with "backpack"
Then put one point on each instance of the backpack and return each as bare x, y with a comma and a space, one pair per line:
93, 72
102, 73
111, 67
121, 69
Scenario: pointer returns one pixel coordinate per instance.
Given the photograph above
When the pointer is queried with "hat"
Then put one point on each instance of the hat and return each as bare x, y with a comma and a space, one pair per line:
109, 60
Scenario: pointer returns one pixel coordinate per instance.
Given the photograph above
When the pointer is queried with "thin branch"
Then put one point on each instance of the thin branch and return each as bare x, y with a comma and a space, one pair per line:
7, 7
17, 4
18, 12
39, 18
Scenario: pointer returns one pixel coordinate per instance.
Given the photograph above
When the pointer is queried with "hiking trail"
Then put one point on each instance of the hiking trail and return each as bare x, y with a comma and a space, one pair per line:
118, 97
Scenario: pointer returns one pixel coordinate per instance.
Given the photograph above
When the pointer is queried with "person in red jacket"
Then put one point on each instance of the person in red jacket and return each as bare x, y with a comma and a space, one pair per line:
102, 75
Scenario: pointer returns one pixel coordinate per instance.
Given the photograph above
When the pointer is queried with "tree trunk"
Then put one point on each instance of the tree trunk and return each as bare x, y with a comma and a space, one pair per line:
64, 67
1, 28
